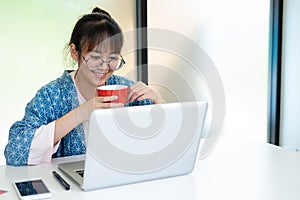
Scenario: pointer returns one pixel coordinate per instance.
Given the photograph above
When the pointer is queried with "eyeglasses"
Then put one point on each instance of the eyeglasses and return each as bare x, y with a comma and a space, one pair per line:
96, 62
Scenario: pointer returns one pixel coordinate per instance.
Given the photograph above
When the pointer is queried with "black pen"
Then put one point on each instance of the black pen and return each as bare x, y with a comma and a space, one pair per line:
61, 180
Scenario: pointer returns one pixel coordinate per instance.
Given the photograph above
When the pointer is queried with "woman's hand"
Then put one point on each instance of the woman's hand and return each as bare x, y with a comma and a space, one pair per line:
83, 112
139, 91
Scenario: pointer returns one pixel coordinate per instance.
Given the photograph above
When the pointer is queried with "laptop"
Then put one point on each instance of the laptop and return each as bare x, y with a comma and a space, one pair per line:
140, 143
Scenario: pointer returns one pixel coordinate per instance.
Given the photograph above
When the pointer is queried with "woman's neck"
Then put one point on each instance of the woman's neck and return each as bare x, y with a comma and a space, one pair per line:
86, 89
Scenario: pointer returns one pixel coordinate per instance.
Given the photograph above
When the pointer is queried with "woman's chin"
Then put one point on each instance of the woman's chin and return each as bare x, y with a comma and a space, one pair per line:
100, 80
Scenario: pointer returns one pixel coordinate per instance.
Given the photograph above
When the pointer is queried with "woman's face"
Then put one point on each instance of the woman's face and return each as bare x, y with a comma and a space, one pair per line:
95, 66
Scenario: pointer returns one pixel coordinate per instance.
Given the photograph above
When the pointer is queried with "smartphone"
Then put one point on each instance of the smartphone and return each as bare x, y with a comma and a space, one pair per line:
32, 189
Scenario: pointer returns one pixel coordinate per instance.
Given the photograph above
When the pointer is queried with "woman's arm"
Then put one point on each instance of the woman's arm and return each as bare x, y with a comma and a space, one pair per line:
42, 147
39, 111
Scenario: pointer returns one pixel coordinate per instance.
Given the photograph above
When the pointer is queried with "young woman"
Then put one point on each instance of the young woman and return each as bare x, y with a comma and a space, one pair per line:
56, 119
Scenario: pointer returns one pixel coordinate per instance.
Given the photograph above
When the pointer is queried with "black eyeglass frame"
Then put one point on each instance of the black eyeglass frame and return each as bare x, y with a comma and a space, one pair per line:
123, 62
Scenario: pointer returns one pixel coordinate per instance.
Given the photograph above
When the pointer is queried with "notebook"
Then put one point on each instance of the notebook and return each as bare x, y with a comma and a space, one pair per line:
140, 143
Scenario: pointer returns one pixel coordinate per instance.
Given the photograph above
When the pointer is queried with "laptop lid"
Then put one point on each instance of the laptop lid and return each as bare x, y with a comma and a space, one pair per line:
141, 143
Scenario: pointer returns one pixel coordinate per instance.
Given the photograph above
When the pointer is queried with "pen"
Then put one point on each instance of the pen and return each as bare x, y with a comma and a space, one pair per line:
61, 180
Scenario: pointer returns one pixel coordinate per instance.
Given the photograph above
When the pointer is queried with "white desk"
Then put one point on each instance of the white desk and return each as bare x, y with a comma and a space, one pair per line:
236, 169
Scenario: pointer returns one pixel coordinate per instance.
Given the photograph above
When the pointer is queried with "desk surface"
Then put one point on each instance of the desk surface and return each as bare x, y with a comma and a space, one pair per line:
236, 169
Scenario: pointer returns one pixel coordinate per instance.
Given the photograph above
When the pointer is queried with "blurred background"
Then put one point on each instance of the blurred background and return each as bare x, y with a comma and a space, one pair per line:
234, 33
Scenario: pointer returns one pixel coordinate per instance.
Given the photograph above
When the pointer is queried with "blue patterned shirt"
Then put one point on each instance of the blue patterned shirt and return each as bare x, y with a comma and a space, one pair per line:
51, 102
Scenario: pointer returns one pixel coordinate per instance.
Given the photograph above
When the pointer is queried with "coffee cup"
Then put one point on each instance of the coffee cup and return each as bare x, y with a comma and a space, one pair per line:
121, 91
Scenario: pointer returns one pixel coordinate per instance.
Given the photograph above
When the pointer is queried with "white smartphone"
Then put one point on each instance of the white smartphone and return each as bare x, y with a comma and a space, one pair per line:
32, 189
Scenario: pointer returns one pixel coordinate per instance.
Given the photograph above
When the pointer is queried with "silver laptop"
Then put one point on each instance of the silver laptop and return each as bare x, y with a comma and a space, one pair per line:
140, 143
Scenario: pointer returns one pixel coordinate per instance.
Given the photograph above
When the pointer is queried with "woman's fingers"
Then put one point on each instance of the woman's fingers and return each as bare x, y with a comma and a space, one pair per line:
105, 102
107, 98
136, 91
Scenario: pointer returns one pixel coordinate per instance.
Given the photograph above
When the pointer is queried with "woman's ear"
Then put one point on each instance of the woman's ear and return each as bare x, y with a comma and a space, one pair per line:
74, 52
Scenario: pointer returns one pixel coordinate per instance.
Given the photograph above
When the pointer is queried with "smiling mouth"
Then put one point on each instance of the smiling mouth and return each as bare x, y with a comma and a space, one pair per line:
99, 75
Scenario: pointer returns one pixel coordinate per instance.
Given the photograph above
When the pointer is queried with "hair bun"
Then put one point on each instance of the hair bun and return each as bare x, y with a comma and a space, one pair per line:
99, 10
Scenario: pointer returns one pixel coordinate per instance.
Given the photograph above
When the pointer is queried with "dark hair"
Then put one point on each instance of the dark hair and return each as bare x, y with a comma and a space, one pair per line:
92, 29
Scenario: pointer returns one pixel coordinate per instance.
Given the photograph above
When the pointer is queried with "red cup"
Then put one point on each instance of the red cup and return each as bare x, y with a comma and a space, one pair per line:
114, 90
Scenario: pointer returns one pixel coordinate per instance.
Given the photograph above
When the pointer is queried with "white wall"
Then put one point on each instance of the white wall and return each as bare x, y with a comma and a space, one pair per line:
33, 35
290, 125
235, 35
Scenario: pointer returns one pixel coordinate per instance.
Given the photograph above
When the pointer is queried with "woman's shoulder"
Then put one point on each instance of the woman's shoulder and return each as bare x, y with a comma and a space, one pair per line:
64, 82
119, 80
